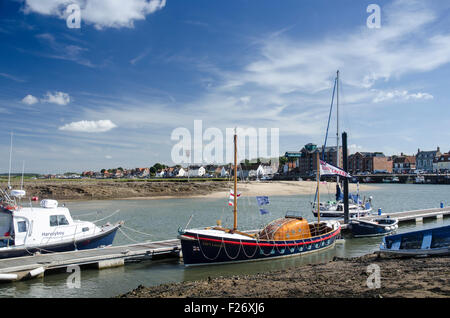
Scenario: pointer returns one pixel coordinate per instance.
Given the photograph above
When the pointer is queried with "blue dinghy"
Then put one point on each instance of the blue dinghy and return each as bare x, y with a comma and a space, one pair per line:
435, 241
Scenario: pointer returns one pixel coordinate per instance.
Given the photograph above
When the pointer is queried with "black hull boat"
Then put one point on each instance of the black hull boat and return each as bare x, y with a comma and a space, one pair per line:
373, 227
215, 245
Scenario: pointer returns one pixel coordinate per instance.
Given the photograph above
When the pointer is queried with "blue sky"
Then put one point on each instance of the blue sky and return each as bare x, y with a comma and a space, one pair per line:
110, 93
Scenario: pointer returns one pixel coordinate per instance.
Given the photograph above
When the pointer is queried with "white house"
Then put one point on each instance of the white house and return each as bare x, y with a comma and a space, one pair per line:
224, 172
180, 173
196, 171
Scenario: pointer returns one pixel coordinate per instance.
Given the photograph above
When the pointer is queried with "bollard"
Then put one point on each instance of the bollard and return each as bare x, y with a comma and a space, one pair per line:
379, 211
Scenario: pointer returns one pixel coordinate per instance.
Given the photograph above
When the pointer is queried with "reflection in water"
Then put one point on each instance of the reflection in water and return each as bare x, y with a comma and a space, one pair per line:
161, 218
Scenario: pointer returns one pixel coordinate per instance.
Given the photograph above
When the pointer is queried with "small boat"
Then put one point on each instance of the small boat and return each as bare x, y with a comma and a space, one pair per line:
288, 236
48, 228
373, 227
333, 209
434, 241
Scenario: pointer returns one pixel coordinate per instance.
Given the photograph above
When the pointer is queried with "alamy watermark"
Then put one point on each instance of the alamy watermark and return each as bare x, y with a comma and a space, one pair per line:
374, 20
210, 146
73, 20
374, 279
74, 279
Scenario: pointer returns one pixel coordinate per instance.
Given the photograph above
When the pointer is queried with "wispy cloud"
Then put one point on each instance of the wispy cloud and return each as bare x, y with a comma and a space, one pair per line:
12, 77
403, 95
89, 126
61, 51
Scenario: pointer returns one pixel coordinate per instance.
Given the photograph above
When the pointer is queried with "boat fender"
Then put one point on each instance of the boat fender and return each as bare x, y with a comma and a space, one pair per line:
36, 272
8, 277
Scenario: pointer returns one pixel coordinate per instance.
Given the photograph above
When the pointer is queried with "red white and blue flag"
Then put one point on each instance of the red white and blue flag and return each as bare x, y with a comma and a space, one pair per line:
327, 169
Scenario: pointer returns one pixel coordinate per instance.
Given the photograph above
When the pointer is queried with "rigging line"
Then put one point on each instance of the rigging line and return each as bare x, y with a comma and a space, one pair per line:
328, 126
117, 211
134, 230
121, 231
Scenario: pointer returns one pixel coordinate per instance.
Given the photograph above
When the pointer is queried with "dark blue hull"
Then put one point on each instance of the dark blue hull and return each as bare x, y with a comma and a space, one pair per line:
103, 239
204, 249
362, 229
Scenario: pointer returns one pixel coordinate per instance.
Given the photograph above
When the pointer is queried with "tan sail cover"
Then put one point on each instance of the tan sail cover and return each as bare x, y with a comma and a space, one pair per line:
286, 229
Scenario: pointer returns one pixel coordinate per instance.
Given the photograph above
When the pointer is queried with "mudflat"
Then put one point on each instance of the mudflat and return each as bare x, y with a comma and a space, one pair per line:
110, 189
398, 277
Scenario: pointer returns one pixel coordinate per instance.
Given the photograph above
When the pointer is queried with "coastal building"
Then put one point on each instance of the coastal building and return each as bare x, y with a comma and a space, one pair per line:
425, 159
371, 162
196, 171
306, 159
403, 164
442, 163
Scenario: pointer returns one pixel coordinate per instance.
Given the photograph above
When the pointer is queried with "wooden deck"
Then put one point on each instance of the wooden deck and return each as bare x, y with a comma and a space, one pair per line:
112, 256
415, 215
12, 269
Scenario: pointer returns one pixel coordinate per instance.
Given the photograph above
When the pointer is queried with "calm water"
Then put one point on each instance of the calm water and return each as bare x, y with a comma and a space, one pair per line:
162, 218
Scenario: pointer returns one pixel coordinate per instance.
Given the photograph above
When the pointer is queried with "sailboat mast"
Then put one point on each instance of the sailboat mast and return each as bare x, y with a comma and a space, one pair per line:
235, 182
338, 164
318, 188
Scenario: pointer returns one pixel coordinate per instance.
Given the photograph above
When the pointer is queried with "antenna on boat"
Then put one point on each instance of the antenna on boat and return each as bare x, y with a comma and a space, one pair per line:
23, 169
10, 159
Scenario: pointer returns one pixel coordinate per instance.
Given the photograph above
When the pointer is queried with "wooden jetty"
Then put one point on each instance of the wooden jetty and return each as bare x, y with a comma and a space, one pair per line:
20, 268
12, 269
415, 215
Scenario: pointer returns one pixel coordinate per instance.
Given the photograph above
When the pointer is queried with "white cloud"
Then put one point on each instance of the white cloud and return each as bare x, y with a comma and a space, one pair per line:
403, 95
364, 56
89, 126
58, 98
30, 100
100, 13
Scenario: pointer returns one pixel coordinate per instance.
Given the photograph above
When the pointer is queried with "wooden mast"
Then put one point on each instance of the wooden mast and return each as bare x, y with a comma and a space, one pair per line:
235, 182
318, 188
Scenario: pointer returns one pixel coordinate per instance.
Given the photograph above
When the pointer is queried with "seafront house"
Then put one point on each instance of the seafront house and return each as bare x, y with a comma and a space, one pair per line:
425, 159
442, 163
371, 162
196, 171
404, 164
305, 159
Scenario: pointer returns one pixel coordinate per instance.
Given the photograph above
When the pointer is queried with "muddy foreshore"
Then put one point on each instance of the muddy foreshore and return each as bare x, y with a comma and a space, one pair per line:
110, 189
116, 189
399, 278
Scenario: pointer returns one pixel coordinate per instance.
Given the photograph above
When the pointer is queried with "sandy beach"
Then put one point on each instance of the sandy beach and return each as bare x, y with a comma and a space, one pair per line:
280, 188
116, 189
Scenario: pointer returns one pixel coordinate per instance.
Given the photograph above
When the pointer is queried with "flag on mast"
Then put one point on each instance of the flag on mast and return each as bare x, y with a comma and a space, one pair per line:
327, 169
231, 199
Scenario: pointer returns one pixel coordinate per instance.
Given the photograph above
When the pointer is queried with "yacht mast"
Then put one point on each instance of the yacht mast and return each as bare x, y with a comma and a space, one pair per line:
235, 182
338, 164
318, 188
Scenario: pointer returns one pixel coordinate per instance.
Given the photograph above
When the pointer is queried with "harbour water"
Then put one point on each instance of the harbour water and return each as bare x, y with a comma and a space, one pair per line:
162, 218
